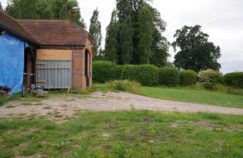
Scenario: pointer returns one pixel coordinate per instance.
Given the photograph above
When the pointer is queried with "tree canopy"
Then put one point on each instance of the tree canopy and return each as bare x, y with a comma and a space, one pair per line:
195, 51
95, 32
138, 35
45, 9
111, 44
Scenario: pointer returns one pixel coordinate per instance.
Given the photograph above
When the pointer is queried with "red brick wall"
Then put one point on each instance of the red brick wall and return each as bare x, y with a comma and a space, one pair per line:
79, 80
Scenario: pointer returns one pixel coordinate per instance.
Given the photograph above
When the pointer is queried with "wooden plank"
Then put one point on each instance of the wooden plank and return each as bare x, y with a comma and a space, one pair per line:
54, 55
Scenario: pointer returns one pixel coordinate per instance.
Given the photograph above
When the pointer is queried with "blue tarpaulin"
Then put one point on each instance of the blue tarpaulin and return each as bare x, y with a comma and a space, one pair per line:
11, 62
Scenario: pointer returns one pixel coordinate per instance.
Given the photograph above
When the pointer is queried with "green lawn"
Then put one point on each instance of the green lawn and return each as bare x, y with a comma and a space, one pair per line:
125, 134
194, 96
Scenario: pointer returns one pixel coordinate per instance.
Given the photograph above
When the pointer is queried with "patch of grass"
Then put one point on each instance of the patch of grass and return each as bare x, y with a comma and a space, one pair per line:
6, 154
126, 134
4, 100
124, 85
194, 96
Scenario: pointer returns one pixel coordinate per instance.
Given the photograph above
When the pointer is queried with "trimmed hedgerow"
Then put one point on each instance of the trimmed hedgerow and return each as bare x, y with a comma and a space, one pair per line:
234, 79
169, 76
188, 78
119, 69
147, 75
103, 71
209, 78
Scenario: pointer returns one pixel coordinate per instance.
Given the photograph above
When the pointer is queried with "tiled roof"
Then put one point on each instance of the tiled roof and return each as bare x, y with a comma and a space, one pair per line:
55, 32
45, 32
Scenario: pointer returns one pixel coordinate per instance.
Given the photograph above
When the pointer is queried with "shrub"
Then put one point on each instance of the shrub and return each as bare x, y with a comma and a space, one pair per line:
209, 78
147, 75
234, 79
169, 76
119, 69
125, 85
103, 71
188, 78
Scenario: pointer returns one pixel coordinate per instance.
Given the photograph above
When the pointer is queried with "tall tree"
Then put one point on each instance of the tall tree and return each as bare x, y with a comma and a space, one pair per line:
126, 43
159, 50
111, 44
160, 45
146, 32
45, 9
138, 35
131, 8
95, 32
195, 51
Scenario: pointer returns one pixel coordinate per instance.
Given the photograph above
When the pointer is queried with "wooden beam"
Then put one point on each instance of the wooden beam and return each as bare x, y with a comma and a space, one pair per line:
54, 55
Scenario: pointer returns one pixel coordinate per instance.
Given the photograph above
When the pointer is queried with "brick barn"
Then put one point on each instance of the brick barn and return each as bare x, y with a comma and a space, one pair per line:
58, 54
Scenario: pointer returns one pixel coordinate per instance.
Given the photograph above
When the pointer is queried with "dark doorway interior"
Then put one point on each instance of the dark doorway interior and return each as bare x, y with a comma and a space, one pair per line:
87, 67
29, 68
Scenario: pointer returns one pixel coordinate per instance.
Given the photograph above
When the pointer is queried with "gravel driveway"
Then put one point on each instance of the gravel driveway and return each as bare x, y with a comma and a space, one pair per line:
59, 108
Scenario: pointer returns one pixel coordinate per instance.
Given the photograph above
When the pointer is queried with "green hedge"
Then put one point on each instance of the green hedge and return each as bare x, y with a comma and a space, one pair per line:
234, 79
119, 69
103, 71
147, 75
169, 76
188, 78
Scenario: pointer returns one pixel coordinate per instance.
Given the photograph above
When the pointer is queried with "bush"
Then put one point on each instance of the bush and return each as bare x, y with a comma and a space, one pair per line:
119, 69
209, 78
103, 71
147, 75
188, 78
125, 85
234, 79
169, 76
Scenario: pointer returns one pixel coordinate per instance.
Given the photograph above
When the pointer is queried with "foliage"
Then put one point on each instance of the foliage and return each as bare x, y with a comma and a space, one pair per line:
95, 32
45, 9
209, 78
124, 85
169, 76
124, 134
119, 69
125, 37
147, 75
159, 50
196, 52
103, 71
145, 36
234, 79
137, 35
111, 43
188, 78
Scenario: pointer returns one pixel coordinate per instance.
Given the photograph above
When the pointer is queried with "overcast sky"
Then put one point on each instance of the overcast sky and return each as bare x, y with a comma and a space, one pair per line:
221, 19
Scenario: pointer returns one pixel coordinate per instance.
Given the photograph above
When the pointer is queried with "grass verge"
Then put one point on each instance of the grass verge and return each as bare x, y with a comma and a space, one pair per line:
194, 96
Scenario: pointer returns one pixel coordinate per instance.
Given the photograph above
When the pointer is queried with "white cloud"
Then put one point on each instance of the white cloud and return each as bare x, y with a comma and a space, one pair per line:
221, 19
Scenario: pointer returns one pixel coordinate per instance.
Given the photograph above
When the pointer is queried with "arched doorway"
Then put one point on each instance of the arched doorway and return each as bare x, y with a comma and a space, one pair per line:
87, 68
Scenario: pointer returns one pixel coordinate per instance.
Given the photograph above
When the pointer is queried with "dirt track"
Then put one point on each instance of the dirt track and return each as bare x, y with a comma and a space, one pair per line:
59, 108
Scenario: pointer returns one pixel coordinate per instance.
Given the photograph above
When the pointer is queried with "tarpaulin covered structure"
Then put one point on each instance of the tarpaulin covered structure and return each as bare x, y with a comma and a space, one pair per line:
11, 62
